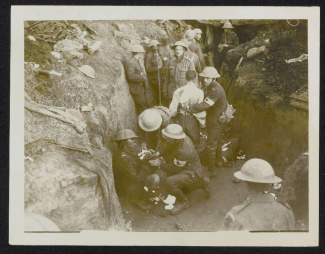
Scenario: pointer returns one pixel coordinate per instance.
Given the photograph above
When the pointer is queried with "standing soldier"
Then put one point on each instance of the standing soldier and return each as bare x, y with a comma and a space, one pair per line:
137, 79
188, 95
215, 103
166, 54
154, 65
229, 40
176, 72
262, 211
199, 43
192, 56
183, 167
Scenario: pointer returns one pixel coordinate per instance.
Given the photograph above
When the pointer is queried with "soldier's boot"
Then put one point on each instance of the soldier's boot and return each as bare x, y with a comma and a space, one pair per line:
211, 166
180, 207
206, 187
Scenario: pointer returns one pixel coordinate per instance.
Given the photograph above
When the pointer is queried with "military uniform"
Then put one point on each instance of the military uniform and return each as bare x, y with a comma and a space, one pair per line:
261, 212
231, 39
183, 168
151, 138
176, 75
129, 173
138, 84
215, 102
195, 59
196, 48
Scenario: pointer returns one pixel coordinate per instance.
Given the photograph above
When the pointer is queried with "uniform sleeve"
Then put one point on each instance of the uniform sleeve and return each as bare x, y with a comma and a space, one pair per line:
230, 223
132, 74
150, 67
201, 57
198, 67
174, 104
234, 42
208, 102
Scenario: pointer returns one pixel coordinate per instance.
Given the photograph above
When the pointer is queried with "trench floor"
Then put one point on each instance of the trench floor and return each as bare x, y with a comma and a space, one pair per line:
202, 215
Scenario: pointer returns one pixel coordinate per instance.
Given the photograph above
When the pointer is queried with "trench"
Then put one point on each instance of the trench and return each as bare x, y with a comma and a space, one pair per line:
266, 125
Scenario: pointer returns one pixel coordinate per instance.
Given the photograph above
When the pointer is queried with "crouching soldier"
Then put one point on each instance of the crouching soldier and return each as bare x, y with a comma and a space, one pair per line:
183, 168
129, 171
262, 211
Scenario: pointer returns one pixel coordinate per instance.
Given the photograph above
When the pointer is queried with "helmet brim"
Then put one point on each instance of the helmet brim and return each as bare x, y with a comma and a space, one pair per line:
209, 77
162, 37
173, 136
156, 127
241, 176
174, 46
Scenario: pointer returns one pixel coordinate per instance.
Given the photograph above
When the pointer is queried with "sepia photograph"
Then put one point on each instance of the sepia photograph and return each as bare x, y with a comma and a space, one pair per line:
166, 125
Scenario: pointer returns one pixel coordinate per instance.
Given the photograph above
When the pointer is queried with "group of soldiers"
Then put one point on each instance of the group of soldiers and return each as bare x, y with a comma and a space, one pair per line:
166, 152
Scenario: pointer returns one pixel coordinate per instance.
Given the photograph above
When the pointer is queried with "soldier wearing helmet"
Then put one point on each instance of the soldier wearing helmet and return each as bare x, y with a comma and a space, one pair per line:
129, 171
192, 56
229, 40
188, 95
138, 80
262, 211
214, 103
154, 64
198, 46
176, 72
183, 166
151, 121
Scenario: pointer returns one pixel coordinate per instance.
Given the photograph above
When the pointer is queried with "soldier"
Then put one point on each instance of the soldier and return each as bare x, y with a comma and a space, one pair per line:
262, 211
154, 65
166, 54
183, 166
137, 78
229, 40
199, 43
176, 72
215, 103
188, 95
151, 121
129, 171
192, 56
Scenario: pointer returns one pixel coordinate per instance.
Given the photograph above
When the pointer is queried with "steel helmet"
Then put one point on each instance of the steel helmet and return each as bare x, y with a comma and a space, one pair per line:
197, 31
179, 43
162, 34
137, 48
153, 43
87, 70
150, 120
227, 25
257, 171
209, 72
189, 35
174, 131
125, 134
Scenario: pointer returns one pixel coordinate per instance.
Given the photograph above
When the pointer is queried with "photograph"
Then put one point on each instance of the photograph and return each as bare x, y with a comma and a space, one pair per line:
165, 125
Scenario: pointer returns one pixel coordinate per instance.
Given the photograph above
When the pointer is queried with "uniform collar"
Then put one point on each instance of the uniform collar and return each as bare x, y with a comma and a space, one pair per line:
260, 198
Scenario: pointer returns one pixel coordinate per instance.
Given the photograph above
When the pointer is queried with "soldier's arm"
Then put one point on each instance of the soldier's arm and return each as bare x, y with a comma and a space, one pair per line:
132, 74
174, 104
234, 42
208, 102
198, 67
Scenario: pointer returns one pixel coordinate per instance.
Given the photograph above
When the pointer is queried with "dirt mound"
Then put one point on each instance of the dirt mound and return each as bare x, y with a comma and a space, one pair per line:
68, 175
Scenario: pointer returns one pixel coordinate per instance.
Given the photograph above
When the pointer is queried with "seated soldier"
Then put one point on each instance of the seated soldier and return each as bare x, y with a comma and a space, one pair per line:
129, 171
183, 166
